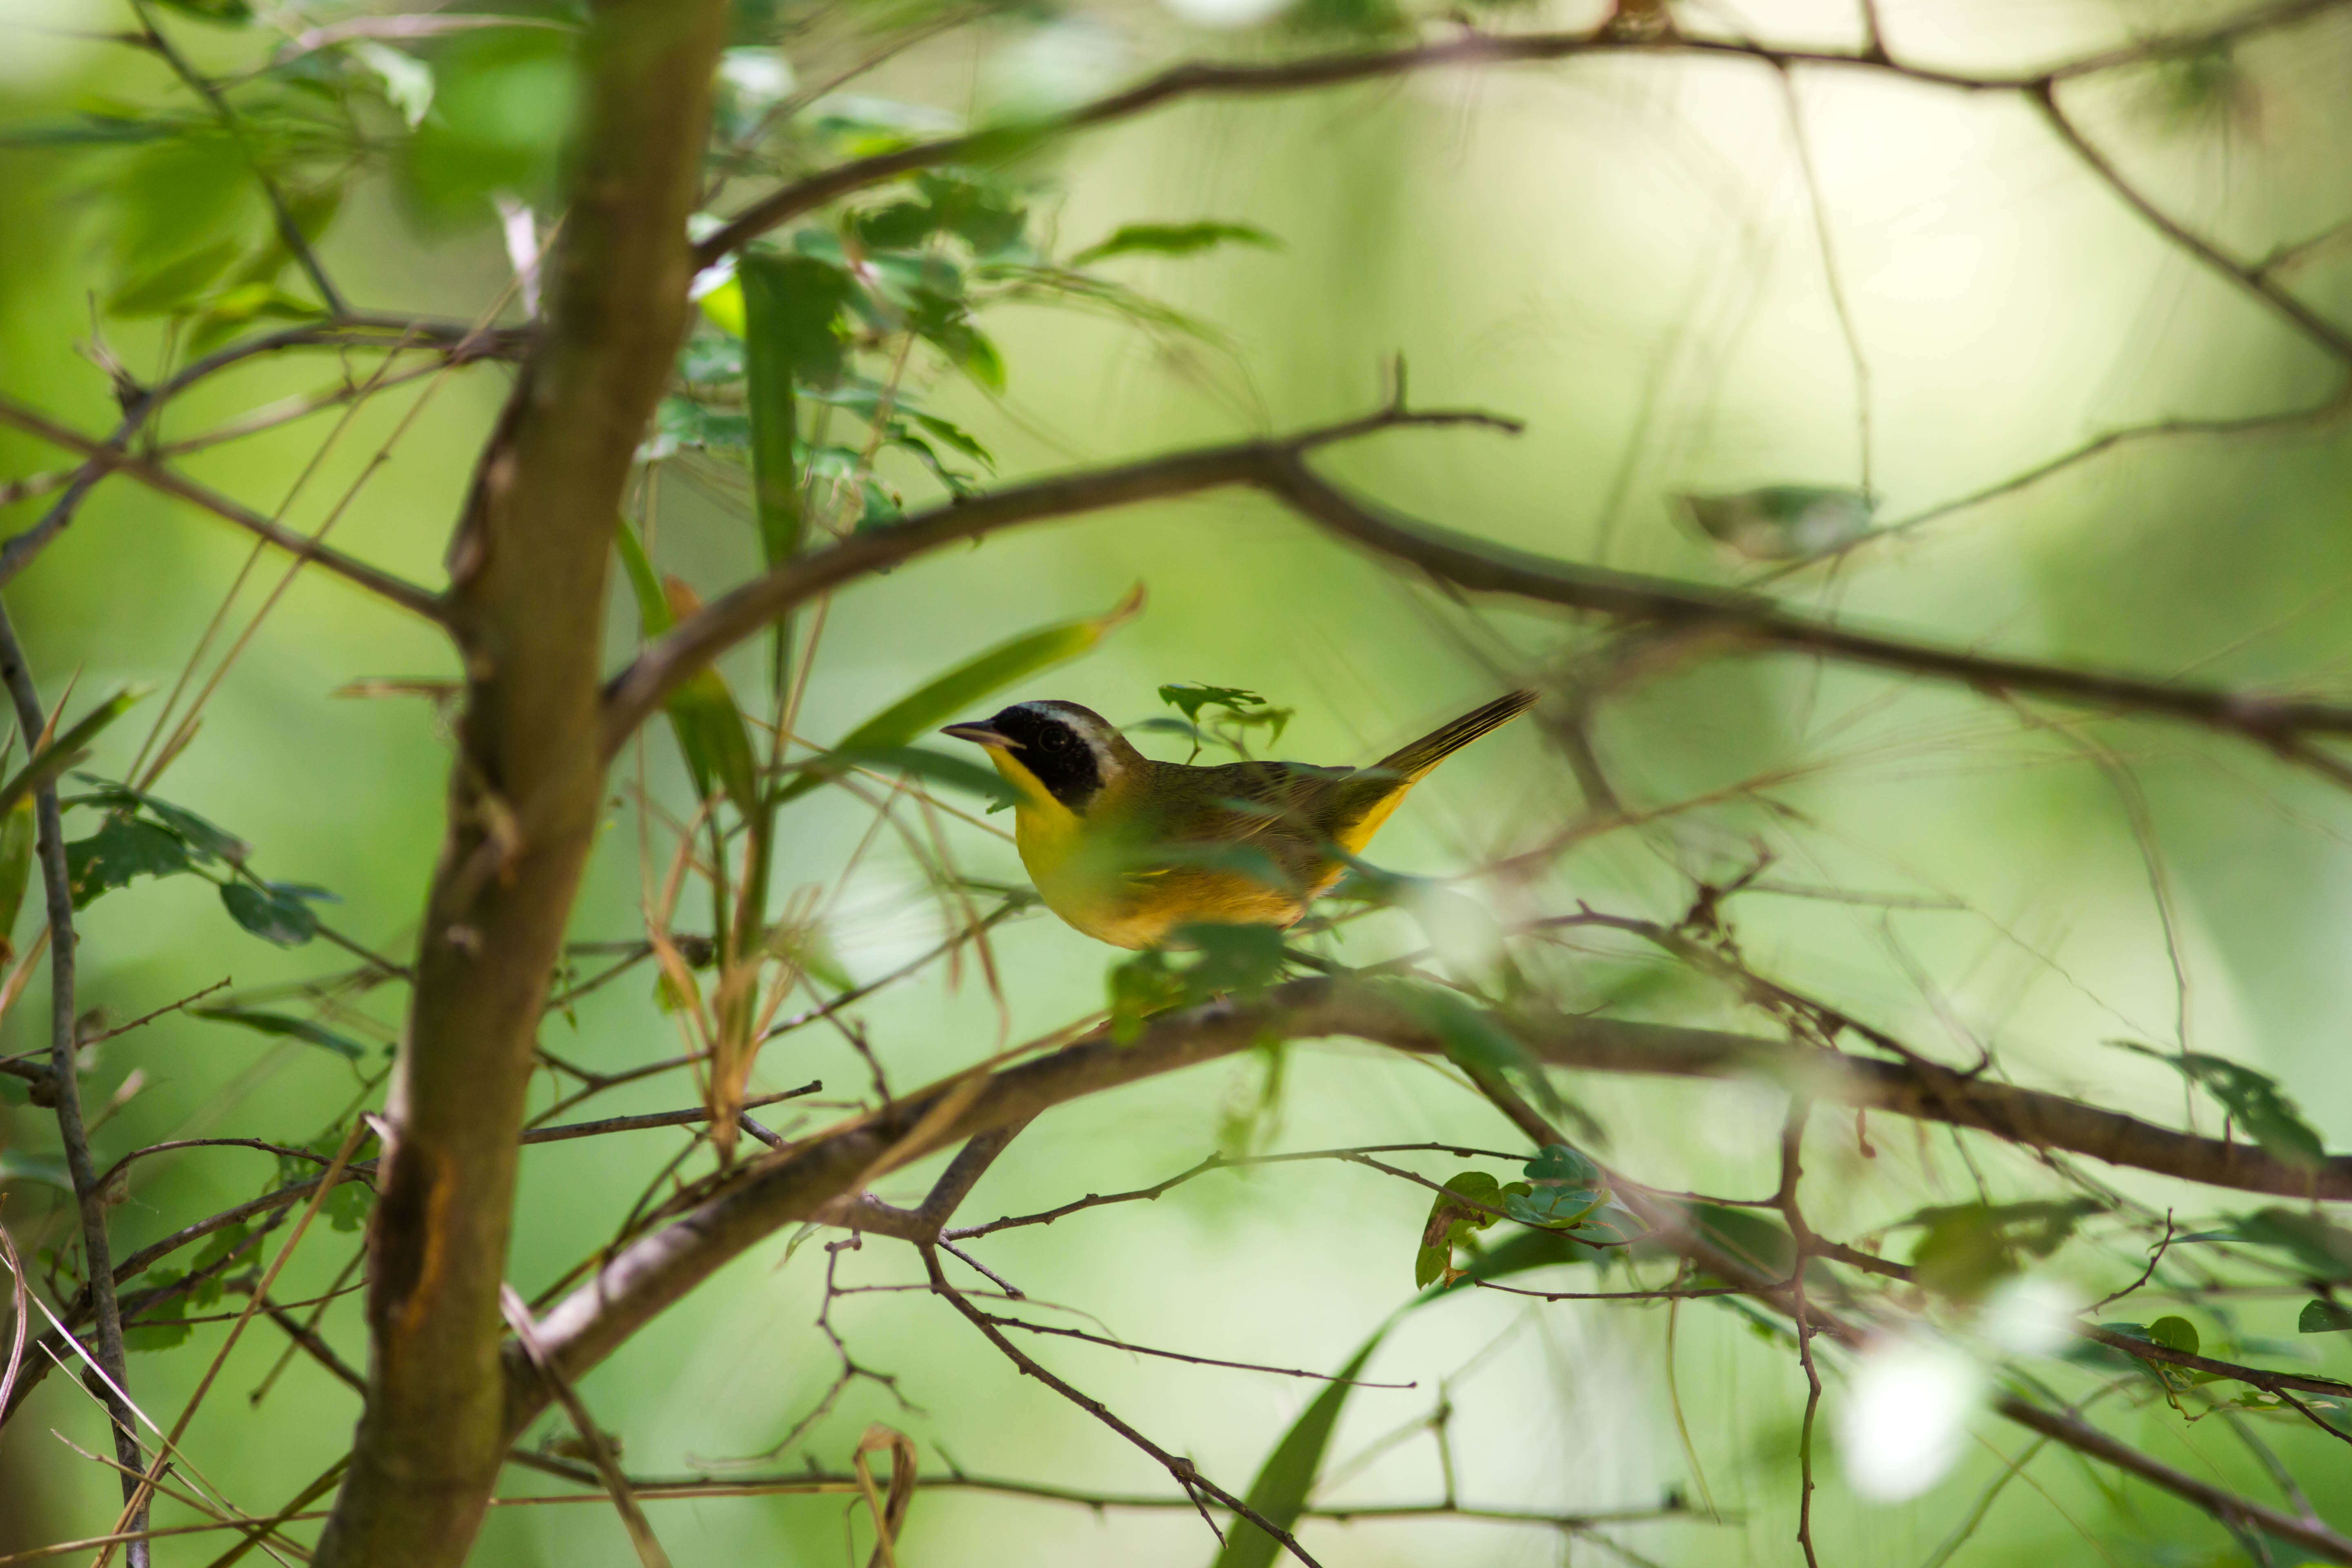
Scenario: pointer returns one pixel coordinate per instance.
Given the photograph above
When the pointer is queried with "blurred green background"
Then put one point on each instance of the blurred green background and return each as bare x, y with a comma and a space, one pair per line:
1621, 252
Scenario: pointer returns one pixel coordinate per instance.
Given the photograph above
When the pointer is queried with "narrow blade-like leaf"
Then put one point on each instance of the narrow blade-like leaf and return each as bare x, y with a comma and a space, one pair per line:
953, 695
61, 754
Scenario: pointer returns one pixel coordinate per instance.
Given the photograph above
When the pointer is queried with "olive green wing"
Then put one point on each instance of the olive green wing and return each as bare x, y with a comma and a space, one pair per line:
1239, 817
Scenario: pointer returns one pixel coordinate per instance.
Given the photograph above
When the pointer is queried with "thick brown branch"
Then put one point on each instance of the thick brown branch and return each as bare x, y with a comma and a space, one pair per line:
528, 574
2227, 1506
1788, 1296
659, 1268
1461, 561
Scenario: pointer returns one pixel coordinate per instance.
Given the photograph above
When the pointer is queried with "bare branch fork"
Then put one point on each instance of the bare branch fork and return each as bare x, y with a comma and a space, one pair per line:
458, 343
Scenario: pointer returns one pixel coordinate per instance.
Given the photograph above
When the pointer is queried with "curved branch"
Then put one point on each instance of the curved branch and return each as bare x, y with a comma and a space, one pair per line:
1279, 468
2250, 275
1243, 80
631, 696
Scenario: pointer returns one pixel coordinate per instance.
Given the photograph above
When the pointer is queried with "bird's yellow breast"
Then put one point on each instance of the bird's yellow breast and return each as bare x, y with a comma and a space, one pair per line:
1093, 870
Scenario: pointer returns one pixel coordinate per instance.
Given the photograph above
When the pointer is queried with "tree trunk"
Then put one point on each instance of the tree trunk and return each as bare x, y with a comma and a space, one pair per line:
527, 601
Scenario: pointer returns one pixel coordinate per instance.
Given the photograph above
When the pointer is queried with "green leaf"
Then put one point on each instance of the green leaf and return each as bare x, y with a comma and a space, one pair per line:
2253, 1099
1452, 1220
1557, 1164
985, 217
16, 836
1140, 987
346, 1204
933, 767
784, 324
1173, 239
62, 751
1189, 698
1563, 1188
702, 713
122, 848
50, 1169
277, 912
942, 700
1279, 1493
286, 1026
165, 1331
1747, 1235
680, 423
2174, 1333
2324, 1317
1966, 1248
795, 323
1239, 960
175, 283
2324, 1249
1963, 1253
1284, 1483
1473, 1037
504, 104
204, 840
1783, 522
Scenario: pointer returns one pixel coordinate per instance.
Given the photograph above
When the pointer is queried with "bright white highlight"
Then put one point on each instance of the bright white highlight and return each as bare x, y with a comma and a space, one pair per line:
1905, 1415
41, 40
1228, 13
2032, 1315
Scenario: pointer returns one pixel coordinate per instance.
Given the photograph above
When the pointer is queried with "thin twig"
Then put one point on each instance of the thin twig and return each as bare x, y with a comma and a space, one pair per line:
1474, 48
64, 1083
1194, 1360
111, 459
1182, 1470
591, 1436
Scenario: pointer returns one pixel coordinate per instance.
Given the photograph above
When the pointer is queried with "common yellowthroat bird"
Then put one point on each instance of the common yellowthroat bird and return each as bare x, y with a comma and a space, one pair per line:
1125, 848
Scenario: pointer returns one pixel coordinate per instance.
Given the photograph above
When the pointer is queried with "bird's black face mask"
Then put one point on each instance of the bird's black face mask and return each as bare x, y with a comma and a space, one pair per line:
1053, 748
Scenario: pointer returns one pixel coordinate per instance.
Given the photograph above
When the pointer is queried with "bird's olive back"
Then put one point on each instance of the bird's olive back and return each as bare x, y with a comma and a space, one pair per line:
1053, 748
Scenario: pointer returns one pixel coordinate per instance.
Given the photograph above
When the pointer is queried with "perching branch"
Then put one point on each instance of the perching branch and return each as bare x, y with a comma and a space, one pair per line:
641, 1279
631, 696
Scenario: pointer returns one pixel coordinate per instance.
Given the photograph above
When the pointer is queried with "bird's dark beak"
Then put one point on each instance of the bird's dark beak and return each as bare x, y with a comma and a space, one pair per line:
982, 735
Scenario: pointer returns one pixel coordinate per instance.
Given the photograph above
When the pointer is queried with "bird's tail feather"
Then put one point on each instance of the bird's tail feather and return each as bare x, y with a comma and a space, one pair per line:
1409, 762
